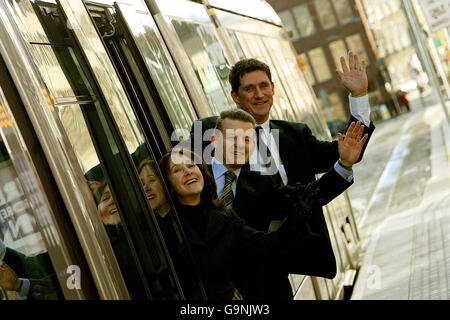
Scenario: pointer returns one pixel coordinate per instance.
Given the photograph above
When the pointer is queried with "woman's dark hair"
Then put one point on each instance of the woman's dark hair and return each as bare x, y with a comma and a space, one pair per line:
146, 162
209, 192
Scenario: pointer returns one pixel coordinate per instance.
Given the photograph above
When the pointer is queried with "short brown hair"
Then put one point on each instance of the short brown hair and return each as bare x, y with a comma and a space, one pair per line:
243, 67
209, 193
234, 114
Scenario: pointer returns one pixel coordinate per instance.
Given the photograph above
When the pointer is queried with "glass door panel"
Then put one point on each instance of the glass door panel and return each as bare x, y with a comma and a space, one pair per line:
150, 44
253, 48
208, 61
304, 103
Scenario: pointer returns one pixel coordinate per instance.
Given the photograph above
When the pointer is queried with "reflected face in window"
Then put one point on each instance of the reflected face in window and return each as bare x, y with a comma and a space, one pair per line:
236, 143
107, 208
153, 188
255, 95
185, 178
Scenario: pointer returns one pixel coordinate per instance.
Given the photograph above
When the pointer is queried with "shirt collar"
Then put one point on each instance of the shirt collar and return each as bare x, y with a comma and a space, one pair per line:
219, 169
265, 125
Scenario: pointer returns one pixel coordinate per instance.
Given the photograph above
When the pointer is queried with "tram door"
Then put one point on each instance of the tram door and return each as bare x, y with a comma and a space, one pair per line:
154, 89
31, 245
117, 157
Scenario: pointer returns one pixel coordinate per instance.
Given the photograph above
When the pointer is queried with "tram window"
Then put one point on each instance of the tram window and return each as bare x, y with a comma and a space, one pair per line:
24, 253
236, 44
303, 101
253, 47
162, 70
208, 61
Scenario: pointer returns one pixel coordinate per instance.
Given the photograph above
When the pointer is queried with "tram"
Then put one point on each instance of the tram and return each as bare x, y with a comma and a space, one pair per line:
93, 91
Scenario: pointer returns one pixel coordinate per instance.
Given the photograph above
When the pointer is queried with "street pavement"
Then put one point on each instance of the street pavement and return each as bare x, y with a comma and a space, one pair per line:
401, 200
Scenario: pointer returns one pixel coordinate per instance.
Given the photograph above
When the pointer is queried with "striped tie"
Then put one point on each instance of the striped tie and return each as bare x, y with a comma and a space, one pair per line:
227, 193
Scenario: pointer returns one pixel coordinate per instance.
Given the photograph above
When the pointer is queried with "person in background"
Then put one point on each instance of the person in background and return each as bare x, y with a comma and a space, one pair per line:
401, 96
33, 278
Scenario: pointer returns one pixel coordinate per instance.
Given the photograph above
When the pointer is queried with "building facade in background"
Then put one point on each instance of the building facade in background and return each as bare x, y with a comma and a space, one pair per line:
323, 31
389, 25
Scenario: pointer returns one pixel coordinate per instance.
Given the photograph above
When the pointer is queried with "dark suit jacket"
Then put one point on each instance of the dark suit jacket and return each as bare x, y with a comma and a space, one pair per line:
39, 270
258, 203
227, 244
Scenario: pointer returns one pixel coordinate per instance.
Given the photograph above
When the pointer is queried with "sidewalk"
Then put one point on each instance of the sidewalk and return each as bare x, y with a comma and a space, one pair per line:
408, 255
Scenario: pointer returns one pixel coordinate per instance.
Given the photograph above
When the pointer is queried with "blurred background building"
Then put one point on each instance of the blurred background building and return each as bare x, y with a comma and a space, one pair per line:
377, 30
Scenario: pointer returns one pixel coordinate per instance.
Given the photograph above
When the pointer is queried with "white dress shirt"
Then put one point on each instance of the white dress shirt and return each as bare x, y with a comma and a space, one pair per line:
359, 108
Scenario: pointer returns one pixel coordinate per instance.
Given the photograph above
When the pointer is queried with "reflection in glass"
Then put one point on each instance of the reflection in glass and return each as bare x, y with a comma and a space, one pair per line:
326, 15
319, 64
305, 23
110, 216
168, 223
288, 21
24, 254
161, 68
254, 48
338, 49
356, 45
82, 115
236, 44
104, 71
308, 71
300, 93
208, 61
343, 10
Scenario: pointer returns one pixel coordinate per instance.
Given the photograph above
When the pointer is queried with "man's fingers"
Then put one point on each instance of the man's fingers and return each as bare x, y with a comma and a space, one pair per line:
356, 62
355, 130
350, 129
364, 139
351, 61
344, 65
340, 137
360, 133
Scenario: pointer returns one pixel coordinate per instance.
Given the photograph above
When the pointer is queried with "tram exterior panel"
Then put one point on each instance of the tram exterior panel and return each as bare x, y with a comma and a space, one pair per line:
91, 92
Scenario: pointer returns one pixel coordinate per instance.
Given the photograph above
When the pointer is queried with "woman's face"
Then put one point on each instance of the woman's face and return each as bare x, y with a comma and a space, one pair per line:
107, 208
186, 179
153, 187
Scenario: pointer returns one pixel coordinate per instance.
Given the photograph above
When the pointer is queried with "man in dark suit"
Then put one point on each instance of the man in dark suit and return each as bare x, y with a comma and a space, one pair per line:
33, 278
255, 198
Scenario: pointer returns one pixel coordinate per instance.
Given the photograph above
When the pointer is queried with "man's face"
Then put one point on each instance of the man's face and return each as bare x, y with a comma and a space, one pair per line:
235, 145
255, 95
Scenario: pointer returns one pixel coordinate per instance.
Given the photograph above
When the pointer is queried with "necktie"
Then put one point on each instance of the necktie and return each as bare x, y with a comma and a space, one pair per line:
263, 150
227, 193
265, 155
